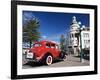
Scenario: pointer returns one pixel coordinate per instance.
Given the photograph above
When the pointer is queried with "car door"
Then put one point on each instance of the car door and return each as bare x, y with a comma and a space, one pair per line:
54, 50
57, 51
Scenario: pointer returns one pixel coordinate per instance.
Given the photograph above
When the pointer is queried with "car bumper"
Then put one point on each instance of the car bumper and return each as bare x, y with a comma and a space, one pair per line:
34, 59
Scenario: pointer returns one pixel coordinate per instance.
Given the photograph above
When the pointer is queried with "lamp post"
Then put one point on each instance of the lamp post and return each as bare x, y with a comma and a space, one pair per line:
81, 52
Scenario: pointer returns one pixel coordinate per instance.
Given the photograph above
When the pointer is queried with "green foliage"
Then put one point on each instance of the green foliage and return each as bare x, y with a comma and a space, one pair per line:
30, 31
62, 42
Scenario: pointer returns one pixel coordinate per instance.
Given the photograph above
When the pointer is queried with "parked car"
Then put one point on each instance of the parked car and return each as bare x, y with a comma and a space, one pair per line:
25, 47
45, 52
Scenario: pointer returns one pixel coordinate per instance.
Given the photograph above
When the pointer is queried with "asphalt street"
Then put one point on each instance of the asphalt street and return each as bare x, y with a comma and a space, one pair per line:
69, 61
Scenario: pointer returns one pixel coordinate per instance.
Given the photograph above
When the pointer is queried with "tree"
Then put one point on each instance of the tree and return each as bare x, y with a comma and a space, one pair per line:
62, 42
30, 31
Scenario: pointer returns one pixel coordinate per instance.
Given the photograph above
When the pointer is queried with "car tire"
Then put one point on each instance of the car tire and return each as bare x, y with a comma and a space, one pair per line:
48, 60
63, 56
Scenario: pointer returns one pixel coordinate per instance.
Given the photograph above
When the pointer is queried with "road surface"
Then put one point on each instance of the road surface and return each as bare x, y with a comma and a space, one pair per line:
69, 61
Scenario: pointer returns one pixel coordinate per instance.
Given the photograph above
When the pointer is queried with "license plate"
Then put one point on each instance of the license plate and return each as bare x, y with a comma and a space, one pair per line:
30, 55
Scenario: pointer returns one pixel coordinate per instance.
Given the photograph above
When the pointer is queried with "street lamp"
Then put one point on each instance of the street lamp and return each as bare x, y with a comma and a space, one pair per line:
81, 52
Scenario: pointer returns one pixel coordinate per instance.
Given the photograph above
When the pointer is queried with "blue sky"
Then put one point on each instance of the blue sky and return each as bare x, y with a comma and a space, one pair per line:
53, 25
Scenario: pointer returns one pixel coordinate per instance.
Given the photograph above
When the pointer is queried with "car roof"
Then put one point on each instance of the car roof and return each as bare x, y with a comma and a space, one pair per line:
46, 41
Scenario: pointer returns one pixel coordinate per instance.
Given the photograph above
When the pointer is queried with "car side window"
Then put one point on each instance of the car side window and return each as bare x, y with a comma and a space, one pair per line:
52, 45
47, 45
57, 47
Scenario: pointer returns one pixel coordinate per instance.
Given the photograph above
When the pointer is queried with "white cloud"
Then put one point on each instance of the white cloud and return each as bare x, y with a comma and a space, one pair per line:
44, 37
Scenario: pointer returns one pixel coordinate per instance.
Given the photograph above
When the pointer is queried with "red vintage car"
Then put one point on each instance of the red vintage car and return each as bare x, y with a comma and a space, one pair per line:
45, 52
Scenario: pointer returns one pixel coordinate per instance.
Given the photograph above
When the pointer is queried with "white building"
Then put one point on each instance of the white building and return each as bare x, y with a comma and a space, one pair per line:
74, 39
85, 38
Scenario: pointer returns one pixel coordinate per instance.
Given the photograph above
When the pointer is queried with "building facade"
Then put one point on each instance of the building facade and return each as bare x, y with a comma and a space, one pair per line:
85, 38
78, 33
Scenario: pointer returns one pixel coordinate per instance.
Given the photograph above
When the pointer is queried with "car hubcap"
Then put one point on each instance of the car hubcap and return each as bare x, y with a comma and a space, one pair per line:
49, 60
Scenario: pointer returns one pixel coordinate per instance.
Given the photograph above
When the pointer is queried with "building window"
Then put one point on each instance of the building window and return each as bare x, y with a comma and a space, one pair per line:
86, 35
84, 42
88, 41
70, 35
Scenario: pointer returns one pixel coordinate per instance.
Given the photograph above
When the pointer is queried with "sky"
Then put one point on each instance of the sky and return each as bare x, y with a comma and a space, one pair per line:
53, 25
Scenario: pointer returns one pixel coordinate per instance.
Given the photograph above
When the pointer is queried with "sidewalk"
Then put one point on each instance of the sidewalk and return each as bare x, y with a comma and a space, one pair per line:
76, 61
71, 61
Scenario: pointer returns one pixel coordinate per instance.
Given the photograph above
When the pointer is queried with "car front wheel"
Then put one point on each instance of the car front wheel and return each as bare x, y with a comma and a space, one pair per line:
48, 60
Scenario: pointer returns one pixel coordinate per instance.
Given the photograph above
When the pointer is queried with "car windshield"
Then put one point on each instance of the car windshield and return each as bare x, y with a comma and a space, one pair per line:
37, 45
